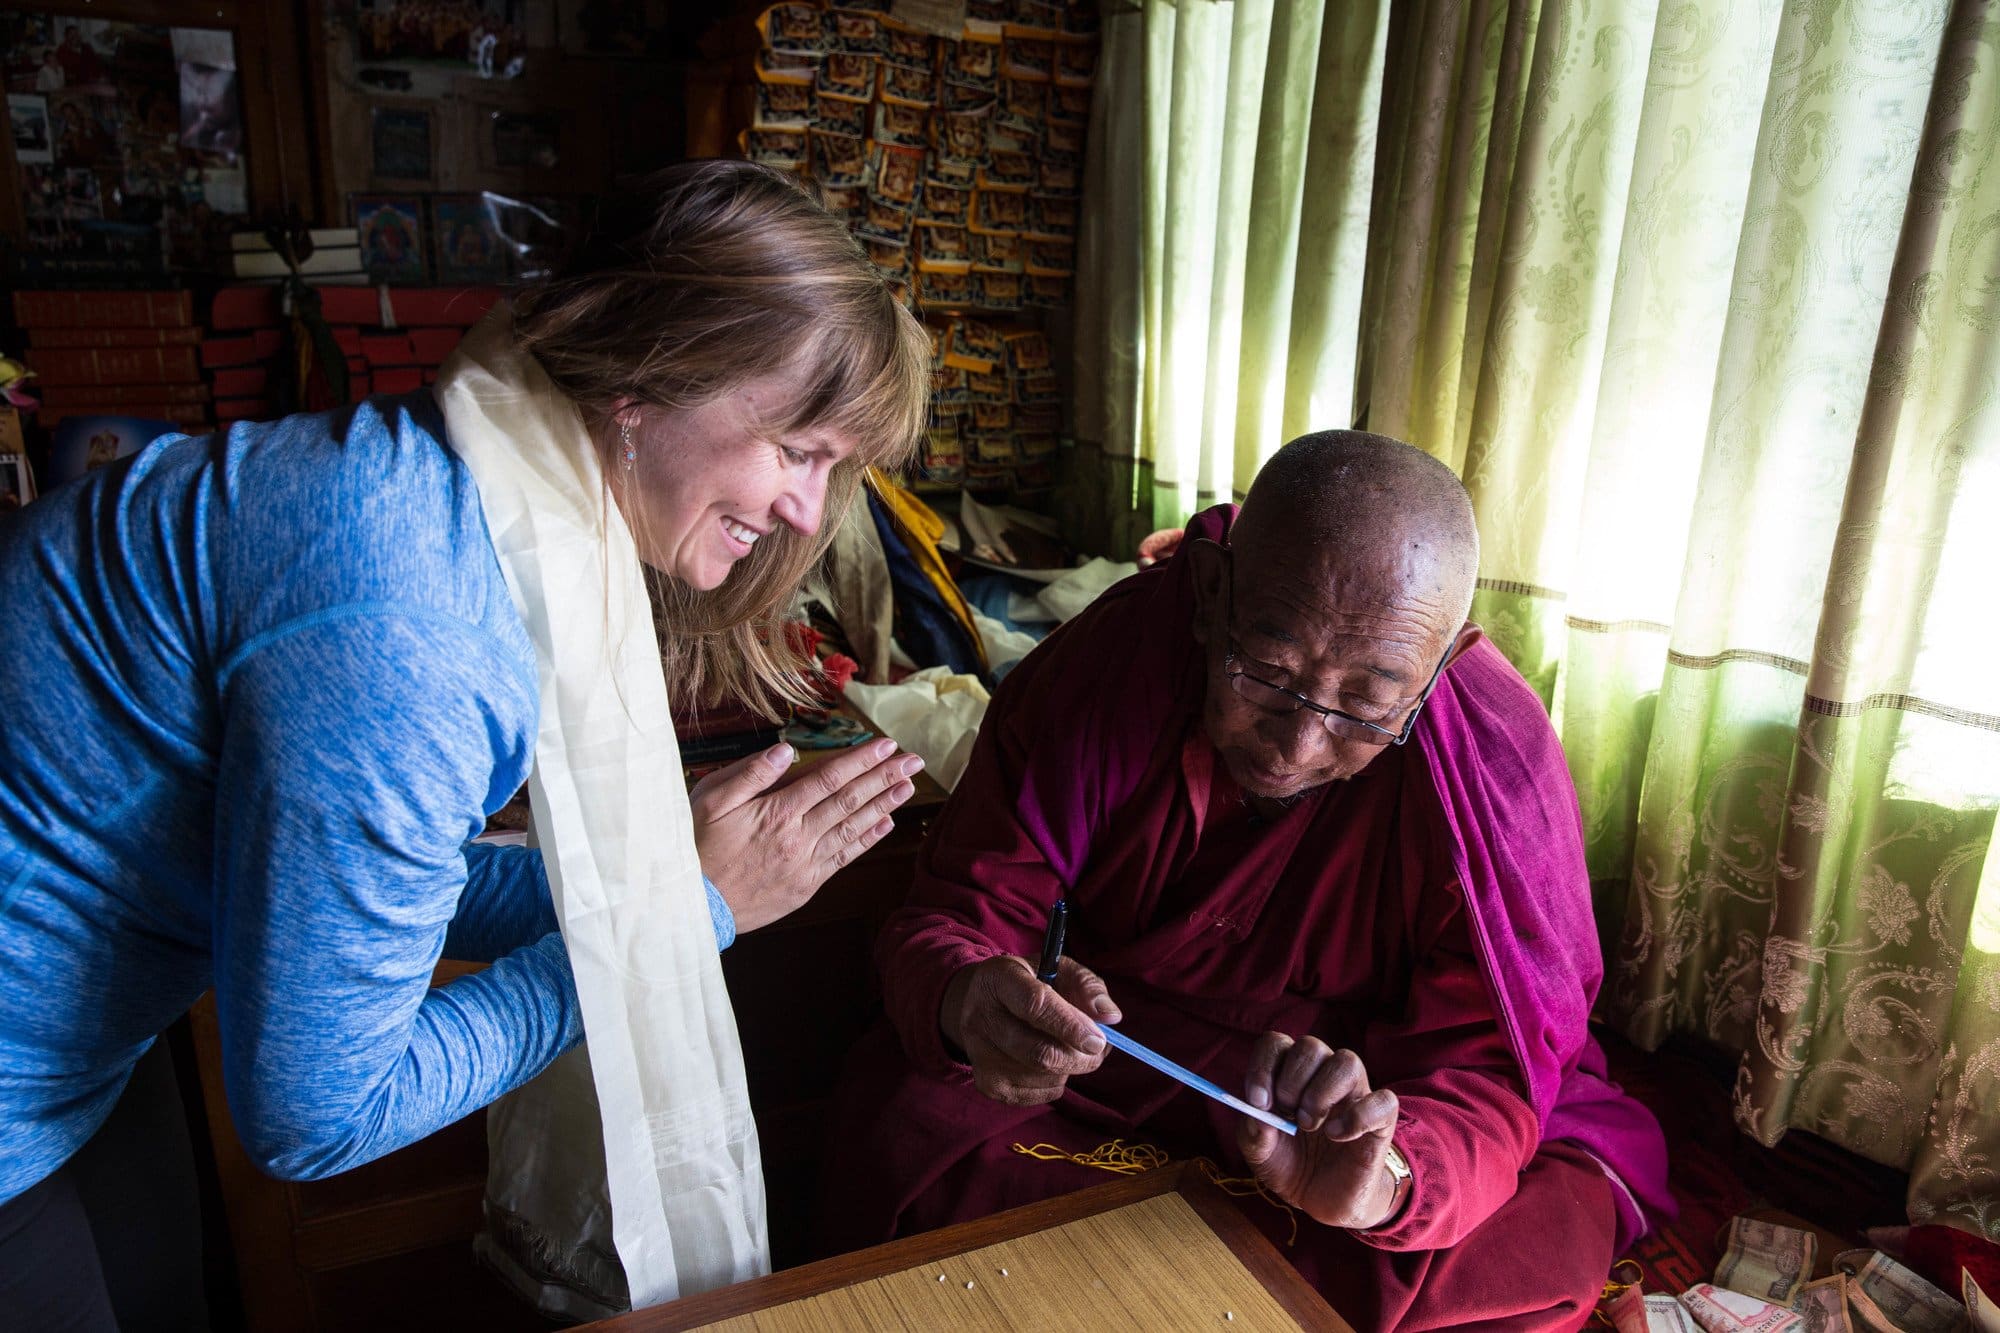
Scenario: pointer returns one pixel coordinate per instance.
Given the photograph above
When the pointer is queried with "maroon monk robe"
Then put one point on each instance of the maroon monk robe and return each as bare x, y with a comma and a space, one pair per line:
1343, 917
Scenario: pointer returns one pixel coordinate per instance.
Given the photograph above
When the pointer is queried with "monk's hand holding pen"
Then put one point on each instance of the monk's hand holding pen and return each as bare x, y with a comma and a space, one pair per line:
1025, 1038
1337, 1168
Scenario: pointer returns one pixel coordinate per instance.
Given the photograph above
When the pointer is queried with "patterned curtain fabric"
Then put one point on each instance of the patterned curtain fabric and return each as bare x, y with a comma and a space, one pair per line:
1703, 301
1228, 177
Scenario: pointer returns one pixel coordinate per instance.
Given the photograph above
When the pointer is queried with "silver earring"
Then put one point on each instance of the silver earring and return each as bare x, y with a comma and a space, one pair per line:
625, 443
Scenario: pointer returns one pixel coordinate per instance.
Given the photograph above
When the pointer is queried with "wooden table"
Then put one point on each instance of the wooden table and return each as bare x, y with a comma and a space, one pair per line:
1162, 1250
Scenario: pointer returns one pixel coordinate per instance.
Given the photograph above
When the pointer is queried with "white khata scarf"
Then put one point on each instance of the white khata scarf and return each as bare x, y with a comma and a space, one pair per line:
685, 1203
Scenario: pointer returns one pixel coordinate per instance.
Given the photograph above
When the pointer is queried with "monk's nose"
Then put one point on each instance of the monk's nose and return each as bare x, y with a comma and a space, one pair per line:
1295, 736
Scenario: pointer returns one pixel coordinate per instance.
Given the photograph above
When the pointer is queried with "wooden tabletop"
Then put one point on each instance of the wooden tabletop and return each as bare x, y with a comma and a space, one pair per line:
1165, 1249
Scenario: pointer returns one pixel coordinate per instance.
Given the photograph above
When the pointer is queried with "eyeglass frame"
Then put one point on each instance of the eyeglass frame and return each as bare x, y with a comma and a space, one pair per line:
1321, 710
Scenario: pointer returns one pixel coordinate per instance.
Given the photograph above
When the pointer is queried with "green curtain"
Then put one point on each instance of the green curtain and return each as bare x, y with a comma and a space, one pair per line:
1227, 180
1702, 302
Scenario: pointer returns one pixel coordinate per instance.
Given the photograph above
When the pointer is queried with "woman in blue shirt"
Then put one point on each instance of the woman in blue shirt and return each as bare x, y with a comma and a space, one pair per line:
262, 687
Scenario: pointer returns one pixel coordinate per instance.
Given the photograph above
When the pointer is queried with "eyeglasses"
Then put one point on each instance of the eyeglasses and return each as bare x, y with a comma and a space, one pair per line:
1277, 699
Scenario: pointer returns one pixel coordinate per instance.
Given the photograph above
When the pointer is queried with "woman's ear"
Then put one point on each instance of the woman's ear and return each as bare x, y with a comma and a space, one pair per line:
1211, 574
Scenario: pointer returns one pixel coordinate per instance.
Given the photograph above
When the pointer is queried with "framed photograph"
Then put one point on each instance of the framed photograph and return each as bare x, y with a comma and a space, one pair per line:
28, 118
83, 444
533, 230
83, 129
466, 241
400, 143
525, 140
392, 236
79, 54
211, 120
27, 49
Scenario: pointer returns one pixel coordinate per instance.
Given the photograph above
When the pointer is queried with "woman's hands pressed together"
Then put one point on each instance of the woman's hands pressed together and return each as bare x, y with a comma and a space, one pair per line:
768, 837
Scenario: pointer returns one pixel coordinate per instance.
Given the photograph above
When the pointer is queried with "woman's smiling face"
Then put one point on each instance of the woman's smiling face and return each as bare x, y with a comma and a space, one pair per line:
708, 483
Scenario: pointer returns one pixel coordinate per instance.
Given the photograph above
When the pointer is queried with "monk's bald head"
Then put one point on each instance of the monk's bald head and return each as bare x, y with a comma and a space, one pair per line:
1348, 577
1342, 505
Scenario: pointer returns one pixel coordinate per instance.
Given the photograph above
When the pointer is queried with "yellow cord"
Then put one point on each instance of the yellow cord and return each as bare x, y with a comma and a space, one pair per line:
1129, 1159
1116, 1156
1613, 1289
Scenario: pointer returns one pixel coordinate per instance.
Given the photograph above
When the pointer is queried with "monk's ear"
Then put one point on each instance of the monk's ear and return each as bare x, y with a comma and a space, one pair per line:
1211, 572
1468, 638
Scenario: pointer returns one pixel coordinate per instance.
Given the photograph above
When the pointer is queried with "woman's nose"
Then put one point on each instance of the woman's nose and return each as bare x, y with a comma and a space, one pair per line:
802, 505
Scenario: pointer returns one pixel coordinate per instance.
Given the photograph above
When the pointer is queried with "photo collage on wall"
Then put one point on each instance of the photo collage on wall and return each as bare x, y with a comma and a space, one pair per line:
129, 139
958, 163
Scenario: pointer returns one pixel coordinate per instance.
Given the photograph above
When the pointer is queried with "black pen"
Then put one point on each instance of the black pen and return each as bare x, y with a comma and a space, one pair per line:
1052, 942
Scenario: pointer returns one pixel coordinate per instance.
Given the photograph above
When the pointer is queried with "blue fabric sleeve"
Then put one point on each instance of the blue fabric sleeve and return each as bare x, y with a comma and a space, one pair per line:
507, 904
358, 752
719, 916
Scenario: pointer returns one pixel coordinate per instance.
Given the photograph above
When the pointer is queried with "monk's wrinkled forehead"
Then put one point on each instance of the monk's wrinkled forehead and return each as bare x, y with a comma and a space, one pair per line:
1358, 524
1307, 581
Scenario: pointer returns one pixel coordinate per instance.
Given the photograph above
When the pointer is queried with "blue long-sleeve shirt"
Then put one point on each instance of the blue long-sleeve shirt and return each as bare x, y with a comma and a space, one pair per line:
257, 690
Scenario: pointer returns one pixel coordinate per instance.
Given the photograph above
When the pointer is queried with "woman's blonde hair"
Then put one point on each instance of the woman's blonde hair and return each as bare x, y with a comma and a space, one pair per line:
697, 280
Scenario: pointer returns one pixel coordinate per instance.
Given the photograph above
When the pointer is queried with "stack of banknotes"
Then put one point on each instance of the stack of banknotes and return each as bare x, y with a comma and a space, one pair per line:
1765, 1283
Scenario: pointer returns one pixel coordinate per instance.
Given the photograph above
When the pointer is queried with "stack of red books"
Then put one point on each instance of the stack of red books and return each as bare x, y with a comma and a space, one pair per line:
128, 354
394, 338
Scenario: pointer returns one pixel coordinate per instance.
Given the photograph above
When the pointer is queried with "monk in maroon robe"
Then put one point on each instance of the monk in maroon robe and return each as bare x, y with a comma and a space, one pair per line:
1319, 844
